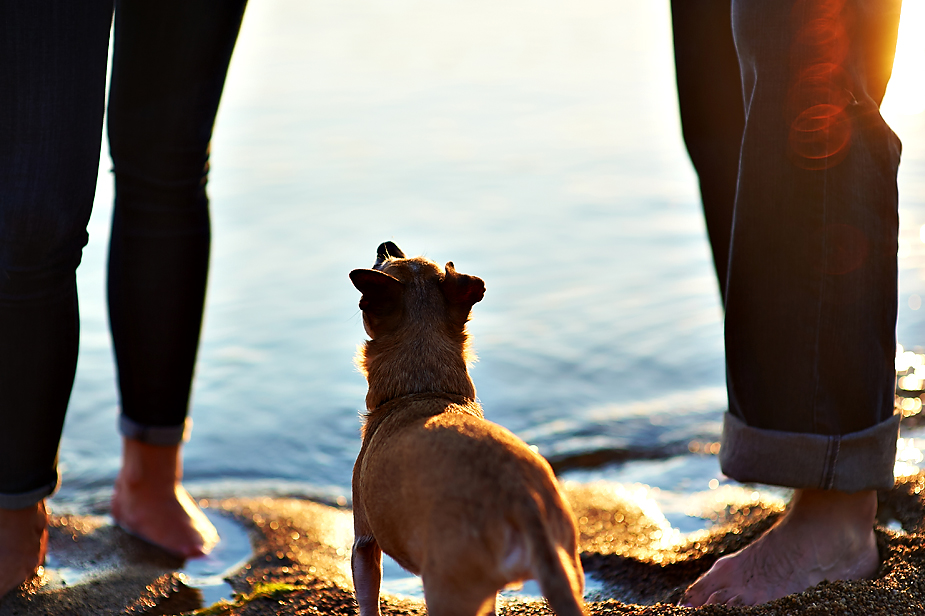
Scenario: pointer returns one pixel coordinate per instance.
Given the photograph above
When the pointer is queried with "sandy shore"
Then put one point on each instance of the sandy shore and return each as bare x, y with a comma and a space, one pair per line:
301, 562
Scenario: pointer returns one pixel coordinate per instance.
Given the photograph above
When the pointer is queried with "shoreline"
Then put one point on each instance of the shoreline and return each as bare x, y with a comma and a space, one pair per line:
300, 564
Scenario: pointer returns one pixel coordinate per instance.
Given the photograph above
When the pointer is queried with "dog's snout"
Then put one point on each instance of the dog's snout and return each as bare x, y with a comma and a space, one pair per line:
386, 251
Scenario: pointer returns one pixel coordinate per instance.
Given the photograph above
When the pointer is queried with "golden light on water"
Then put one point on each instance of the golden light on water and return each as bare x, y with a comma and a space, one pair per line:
910, 406
908, 457
908, 360
905, 94
910, 372
910, 381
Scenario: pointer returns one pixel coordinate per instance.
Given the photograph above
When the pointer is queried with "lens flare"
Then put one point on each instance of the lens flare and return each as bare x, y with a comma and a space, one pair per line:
821, 90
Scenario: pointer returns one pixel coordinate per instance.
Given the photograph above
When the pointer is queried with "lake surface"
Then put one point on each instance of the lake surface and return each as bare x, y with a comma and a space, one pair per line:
537, 146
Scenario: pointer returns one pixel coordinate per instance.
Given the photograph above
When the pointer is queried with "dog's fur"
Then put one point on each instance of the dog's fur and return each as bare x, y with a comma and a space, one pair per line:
452, 497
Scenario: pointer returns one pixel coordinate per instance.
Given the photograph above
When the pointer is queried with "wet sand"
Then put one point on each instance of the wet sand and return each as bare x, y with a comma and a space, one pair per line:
301, 562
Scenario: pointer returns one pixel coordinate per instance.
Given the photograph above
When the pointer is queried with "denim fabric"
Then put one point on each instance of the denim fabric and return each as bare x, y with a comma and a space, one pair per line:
51, 116
861, 460
712, 114
155, 435
170, 61
811, 277
169, 64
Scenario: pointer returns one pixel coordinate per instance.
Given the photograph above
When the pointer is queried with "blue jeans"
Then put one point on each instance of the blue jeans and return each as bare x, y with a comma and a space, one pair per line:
169, 64
780, 111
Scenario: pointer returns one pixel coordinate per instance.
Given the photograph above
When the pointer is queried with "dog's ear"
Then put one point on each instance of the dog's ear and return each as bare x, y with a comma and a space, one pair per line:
381, 301
386, 251
462, 292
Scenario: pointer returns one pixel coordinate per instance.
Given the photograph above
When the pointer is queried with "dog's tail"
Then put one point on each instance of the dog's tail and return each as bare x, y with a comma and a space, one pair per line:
557, 570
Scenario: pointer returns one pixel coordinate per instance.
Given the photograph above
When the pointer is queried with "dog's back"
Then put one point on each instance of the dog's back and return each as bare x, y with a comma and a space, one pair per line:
449, 495
453, 497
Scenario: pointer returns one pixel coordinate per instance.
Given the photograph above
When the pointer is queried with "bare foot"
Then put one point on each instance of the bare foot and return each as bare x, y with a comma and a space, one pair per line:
23, 540
824, 535
150, 503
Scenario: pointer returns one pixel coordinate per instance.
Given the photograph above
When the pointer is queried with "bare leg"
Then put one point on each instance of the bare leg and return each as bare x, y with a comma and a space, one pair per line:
150, 502
825, 535
23, 539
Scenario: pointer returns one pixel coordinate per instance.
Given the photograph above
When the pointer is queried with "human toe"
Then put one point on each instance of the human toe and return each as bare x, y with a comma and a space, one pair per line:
698, 593
726, 596
716, 579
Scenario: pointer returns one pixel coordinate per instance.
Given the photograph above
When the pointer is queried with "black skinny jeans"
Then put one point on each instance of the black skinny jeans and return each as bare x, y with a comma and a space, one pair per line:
169, 65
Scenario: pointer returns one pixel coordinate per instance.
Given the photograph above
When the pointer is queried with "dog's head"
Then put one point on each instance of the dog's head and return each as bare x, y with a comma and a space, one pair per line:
415, 314
401, 293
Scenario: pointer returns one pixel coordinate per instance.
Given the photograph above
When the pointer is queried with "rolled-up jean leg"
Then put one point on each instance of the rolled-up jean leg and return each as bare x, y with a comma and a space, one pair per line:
811, 294
53, 71
169, 65
163, 436
859, 461
38, 354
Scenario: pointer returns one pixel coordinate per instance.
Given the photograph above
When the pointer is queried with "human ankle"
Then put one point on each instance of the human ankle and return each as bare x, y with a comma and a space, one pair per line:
845, 508
23, 541
34, 517
840, 528
150, 466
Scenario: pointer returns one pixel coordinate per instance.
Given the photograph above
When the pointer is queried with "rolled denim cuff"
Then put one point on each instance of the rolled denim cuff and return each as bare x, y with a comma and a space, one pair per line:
850, 463
28, 499
164, 436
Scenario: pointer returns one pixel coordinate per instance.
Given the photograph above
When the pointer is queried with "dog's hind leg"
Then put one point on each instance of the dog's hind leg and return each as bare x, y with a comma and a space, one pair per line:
561, 579
447, 595
366, 564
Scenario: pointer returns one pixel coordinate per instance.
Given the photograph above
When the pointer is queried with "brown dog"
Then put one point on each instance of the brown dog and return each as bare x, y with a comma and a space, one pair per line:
454, 498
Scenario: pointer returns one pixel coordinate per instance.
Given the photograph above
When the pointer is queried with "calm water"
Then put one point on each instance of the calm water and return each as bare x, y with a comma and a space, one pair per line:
535, 144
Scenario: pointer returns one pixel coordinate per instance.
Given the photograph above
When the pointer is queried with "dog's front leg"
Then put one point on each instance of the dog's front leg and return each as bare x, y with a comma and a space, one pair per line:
366, 563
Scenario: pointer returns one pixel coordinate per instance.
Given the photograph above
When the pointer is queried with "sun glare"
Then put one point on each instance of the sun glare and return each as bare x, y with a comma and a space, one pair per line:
905, 94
